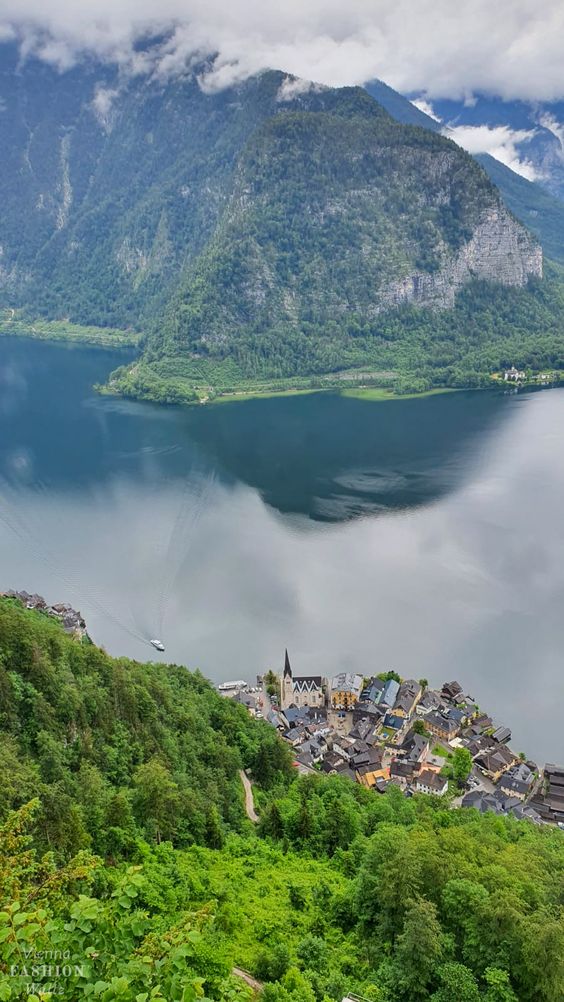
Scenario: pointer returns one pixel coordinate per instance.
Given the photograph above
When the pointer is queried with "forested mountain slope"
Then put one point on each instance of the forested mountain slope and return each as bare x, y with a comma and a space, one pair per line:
538, 209
273, 230
336, 889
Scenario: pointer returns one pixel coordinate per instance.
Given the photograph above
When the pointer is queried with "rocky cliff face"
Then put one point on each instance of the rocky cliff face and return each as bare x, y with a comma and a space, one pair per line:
336, 218
499, 250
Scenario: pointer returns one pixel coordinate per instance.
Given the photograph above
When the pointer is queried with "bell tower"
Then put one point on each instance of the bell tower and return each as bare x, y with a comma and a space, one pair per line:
287, 683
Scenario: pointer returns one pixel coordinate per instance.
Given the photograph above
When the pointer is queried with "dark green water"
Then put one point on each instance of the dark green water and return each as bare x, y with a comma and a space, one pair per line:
425, 535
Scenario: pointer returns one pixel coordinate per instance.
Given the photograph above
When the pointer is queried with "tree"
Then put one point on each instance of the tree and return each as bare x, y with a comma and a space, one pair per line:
156, 798
273, 962
388, 676
419, 728
499, 986
461, 765
419, 949
273, 759
214, 830
313, 952
424, 683
272, 683
457, 984
271, 822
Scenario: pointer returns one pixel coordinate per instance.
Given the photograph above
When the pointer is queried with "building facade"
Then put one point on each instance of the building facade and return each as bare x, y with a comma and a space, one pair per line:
345, 690
304, 690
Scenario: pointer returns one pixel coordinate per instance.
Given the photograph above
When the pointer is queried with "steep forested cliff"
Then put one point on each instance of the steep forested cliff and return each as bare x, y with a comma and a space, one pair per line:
129, 871
277, 227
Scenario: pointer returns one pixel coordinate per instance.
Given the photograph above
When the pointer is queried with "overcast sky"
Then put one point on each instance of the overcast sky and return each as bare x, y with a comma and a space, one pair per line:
447, 48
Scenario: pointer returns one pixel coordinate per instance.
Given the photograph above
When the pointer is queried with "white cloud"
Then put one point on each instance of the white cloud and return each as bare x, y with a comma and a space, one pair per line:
511, 48
551, 123
102, 105
293, 87
426, 107
499, 141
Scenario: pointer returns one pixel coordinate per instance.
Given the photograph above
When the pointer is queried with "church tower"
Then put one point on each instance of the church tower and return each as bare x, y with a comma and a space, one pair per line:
287, 683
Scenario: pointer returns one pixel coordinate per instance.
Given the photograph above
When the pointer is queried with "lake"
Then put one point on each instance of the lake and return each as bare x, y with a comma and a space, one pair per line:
422, 535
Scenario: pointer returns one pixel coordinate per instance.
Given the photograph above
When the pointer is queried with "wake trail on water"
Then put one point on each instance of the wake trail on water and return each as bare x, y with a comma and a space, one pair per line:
14, 520
190, 511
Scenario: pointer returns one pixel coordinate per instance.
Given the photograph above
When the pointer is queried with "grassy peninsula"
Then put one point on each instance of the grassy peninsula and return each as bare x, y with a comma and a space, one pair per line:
14, 323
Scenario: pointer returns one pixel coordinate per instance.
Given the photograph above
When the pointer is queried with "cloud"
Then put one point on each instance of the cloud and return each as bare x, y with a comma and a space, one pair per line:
511, 48
551, 123
499, 141
102, 106
293, 87
426, 107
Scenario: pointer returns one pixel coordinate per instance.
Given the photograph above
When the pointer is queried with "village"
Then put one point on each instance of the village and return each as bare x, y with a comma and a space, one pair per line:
71, 620
387, 730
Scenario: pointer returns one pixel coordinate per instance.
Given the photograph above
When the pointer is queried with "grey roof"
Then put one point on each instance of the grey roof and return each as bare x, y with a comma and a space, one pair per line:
452, 688
493, 761
392, 720
347, 681
430, 700
415, 745
453, 713
401, 767
345, 771
389, 693
501, 734
440, 720
331, 762
373, 690
499, 803
431, 779
307, 683
479, 744
407, 694
521, 772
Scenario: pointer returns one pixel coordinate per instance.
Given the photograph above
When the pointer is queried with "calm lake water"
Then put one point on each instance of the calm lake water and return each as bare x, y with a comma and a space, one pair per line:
422, 535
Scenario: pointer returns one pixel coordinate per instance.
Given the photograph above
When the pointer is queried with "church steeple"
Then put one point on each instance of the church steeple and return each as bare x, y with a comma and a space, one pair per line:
287, 668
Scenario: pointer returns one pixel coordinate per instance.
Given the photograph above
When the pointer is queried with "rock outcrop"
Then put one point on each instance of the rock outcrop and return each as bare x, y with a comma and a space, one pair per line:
499, 250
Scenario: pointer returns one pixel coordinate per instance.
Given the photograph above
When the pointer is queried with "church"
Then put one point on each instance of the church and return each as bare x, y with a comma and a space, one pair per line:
306, 690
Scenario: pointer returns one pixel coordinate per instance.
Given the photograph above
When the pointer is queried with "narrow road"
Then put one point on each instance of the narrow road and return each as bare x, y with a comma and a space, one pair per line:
247, 978
249, 802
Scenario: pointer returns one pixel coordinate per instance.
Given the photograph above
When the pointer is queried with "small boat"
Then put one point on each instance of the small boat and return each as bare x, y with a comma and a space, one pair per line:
157, 644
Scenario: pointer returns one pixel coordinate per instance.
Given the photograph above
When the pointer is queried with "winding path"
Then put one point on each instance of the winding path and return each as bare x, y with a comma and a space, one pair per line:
249, 802
247, 978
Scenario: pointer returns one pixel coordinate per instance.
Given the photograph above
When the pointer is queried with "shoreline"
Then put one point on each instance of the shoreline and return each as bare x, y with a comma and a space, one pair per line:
63, 332
66, 333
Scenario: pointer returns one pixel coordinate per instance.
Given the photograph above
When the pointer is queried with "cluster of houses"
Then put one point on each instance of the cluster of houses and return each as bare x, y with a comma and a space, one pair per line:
71, 620
519, 376
384, 730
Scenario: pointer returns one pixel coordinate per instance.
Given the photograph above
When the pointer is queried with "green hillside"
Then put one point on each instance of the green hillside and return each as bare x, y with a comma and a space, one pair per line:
537, 209
128, 870
275, 234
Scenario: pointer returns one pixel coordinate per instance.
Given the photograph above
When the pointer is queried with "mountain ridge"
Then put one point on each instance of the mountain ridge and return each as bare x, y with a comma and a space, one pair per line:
538, 209
278, 228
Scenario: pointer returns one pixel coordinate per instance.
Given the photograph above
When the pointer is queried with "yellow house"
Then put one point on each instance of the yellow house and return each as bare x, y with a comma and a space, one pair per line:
346, 688
367, 775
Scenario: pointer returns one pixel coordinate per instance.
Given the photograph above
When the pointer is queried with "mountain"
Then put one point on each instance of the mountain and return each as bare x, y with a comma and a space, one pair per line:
273, 231
541, 212
125, 853
535, 130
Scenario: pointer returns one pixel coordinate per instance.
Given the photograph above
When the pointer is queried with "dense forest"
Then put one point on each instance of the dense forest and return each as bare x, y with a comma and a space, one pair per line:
407, 350
129, 870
